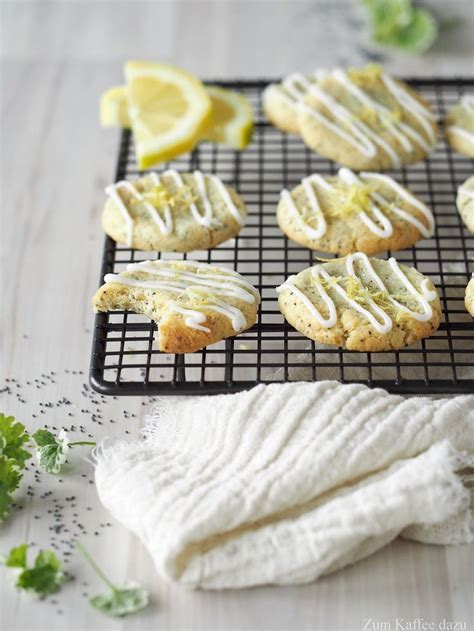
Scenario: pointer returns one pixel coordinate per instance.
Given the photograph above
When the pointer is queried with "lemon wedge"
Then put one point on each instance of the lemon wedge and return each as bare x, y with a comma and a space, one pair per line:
232, 118
114, 108
168, 108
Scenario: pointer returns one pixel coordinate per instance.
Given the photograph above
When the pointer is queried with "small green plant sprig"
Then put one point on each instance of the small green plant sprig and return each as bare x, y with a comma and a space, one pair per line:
45, 577
13, 457
119, 601
397, 24
51, 450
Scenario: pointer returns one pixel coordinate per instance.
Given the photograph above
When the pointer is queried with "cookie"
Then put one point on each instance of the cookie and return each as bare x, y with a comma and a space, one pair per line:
366, 120
173, 212
369, 213
193, 304
469, 299
460, 126
280, 100
360, 303
465, 203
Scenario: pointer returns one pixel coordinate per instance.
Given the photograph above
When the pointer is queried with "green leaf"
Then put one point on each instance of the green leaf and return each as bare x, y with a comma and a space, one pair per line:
50, 458
45, 577
418, 36
397, 24
10, 478
47, 558
43, 437
42, 581
51, 450
13, 437
121, 602
17, 556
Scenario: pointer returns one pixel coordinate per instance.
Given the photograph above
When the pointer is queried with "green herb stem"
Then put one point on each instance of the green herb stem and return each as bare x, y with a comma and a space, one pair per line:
83, 442
94, 566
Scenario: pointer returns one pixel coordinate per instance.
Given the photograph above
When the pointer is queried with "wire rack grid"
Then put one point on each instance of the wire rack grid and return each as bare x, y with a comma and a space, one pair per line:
125, 360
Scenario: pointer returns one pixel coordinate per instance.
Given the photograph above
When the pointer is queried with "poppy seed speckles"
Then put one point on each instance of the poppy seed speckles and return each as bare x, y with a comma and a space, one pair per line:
53, 511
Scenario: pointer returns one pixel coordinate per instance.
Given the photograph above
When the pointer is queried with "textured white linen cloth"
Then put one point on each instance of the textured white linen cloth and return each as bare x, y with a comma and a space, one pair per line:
287, 482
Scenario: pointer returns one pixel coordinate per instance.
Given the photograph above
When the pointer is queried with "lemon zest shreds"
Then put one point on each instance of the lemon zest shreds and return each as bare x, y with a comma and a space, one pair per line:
351, 199
366, 76
159, 196
368, 115
383, 299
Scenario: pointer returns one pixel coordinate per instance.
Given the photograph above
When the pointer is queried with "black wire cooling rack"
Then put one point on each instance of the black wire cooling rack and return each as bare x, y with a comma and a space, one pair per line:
125, 360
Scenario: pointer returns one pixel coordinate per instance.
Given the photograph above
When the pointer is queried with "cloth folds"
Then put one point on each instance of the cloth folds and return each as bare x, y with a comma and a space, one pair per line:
286, 482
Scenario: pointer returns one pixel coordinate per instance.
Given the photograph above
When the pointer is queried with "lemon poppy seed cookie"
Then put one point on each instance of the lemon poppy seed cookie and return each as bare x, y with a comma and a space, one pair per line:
460, 126
469, 299
360, 303
369, 213
173, 212
465, 203
280, 100
193, 304
366, 120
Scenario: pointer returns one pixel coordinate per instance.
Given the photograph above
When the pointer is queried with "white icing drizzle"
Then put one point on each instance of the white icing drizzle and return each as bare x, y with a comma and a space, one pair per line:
460, 131
203, 220
193, 318
383, 322
171, 277
467, 192
360, 135
408, 197
234, 211
422, 114
350, 178
313, 233
112, 191
467, 101
400, 134
385, 229
297, 85
166, 226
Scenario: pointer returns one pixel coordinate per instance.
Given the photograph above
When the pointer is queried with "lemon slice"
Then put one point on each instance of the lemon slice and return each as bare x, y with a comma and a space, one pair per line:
114, 108
232, 118
168, 108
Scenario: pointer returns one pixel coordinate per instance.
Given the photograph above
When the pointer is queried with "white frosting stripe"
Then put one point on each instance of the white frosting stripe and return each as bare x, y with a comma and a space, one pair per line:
379, 319
205, 282
193, 318
166, 225
382, 227
460, 131
361, 136
467, 192
297, 85
112, 191
467, 101
408, 197
422, 114
232, 208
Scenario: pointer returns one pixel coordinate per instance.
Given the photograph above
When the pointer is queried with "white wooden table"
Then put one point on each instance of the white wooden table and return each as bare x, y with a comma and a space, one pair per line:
57, 57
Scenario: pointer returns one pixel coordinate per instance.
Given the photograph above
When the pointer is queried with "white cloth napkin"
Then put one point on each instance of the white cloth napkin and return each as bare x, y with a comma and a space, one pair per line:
287, 482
